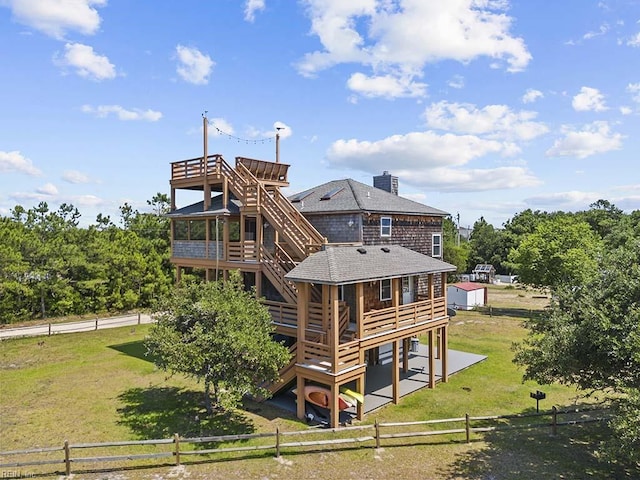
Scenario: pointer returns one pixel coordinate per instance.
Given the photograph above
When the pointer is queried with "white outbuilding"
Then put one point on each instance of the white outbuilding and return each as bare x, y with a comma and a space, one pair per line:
466, 295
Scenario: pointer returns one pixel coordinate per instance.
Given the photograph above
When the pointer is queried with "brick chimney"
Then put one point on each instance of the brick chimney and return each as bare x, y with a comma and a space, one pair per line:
386, 182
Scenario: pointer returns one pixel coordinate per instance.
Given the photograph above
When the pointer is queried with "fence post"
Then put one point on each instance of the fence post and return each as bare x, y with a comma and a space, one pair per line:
377, 434
67, 458
138, 318
467, 427
277, 442
554, 428
49, 329
490, 311
96, 323
176, 440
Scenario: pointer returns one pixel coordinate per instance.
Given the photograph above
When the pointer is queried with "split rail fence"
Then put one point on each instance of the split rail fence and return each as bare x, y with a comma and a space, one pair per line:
377, 435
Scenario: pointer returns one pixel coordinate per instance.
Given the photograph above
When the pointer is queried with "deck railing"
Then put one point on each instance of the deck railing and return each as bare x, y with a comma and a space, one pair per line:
287, 314
194, 167
277, 268
242, 251
393, 318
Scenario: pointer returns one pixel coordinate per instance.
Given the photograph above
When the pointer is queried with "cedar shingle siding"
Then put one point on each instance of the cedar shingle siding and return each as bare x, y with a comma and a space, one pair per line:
410, 231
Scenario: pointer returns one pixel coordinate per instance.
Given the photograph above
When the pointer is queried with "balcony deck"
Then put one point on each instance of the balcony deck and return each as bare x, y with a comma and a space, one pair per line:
191, 173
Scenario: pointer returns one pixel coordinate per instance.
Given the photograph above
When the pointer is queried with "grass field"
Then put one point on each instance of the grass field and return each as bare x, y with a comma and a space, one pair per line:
99, 386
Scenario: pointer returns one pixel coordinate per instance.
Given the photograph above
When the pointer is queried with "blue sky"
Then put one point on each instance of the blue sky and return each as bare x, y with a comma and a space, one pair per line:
480, 107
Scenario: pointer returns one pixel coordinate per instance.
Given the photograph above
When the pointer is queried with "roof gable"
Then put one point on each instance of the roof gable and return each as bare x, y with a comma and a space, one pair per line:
350, 264
348, 195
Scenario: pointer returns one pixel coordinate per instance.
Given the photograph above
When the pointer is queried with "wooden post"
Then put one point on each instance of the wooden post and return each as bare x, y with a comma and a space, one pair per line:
432, 361
377, 434
176, 440
67, 458
303, 312
334, 324
360, 386
138, 318
554, 428
395, 372
405, 354
444, 338
277, 442
96, 323
467, 427
335, 407
432, 295
49, 329
360, 309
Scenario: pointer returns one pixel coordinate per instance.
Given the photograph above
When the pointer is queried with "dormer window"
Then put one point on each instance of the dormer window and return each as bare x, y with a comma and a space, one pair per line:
385, 226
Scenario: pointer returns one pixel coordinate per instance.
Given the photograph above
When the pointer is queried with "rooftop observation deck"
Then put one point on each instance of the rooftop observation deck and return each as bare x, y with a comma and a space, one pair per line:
192, 172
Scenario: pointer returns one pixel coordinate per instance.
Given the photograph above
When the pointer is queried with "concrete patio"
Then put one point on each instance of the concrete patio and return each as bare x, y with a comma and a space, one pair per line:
378, 389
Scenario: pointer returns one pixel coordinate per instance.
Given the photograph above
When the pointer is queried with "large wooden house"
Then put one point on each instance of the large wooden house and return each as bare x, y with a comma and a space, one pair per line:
344, 268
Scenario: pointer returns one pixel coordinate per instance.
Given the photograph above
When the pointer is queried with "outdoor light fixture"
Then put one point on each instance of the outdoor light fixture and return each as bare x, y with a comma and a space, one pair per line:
350, 223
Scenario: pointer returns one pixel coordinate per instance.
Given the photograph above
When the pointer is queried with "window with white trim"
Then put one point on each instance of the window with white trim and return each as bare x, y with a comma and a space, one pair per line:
385, 226
385, 289
436, 245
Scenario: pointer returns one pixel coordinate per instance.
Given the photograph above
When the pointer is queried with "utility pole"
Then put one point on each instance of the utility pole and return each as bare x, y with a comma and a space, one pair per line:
458, 229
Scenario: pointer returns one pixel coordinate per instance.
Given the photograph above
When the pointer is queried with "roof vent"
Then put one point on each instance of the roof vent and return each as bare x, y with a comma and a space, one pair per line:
385, 249
362, 250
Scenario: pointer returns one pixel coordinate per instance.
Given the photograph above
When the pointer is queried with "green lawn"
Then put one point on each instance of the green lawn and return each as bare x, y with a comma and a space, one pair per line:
99, 386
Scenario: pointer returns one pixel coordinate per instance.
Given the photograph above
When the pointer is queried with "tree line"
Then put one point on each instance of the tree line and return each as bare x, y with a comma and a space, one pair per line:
50, 266
542, 248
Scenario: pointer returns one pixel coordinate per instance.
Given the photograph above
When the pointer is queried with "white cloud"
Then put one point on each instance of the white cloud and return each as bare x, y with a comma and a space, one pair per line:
420, 150
56, 17
432, 161
634, 41
400, 41
14, 161
75, 177
48, 189
634, 90
194, 66
86, 62
531, 95
388, 86
457, 81
470, 180
571, 200
624, 110
220, 127
250, 9
282, 128
594, 138
102, 111
77, 201
604, 28
589, 99
495, 121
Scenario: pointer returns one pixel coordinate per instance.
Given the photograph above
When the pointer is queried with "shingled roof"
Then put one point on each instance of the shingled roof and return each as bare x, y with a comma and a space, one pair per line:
216, 208
352, 264
348, 195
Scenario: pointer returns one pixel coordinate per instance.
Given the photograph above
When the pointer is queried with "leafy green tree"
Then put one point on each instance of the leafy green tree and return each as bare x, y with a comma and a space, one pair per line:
603, 216
590, 337
561, 250
219, 334
485, 246
455, 250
